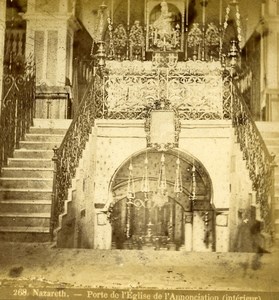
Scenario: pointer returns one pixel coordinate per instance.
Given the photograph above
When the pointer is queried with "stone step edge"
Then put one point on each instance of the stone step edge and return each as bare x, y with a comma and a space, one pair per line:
29, 159
26, 169
26, 202
25, 179
36, 142
25, 215
26, 190
25, 229
32, 150
45, 134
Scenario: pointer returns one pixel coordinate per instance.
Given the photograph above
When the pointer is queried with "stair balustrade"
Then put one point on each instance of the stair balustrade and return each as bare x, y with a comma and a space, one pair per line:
17, 109
66, 157
259, 161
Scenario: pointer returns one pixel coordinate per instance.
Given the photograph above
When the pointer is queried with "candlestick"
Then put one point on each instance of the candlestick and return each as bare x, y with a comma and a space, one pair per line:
187, 12
111, 17
220, 12
128, 17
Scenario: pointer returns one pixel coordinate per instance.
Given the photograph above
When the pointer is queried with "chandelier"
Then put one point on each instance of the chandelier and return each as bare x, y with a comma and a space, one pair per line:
194, 184
159, 197
178, 188
131, 185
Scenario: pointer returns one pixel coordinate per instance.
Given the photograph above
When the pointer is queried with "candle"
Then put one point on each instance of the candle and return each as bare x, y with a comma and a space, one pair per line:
203, 15
187, 12
112, 11
220, 12
128, 17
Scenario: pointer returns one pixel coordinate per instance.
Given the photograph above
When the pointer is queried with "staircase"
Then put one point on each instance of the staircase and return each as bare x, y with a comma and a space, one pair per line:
270, 133
26, 184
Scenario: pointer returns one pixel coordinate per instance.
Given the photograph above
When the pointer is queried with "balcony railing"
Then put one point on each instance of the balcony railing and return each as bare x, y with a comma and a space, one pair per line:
196, 90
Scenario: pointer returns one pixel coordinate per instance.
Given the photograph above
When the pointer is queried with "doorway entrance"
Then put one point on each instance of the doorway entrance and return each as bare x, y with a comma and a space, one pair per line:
157, 198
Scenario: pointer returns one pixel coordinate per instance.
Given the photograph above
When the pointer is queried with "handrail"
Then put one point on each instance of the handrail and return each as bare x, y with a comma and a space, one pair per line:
17, 110
68, 155
259, 161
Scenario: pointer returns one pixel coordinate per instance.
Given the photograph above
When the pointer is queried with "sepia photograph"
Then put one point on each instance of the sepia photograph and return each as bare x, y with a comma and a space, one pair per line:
139, 149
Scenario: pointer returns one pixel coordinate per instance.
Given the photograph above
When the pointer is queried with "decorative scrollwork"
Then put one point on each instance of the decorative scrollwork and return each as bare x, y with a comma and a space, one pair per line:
120, 39
69, 153
17, 110
204, 45
258, 160
136, 41
131, 93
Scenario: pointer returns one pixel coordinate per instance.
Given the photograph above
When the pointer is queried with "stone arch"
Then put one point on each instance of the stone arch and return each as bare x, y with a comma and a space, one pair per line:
184, 156
143, 219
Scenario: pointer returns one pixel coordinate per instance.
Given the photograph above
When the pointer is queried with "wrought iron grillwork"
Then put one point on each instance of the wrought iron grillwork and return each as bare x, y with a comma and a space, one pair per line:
67, 156
131, 90
258, 159
17, 110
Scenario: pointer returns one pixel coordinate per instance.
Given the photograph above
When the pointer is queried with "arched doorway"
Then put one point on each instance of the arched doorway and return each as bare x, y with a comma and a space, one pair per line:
160, 201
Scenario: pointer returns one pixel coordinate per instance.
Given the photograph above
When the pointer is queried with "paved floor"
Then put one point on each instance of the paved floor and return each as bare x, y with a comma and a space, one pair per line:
39, 264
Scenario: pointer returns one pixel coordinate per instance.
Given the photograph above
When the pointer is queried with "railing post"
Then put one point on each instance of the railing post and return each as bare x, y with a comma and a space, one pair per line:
54, 193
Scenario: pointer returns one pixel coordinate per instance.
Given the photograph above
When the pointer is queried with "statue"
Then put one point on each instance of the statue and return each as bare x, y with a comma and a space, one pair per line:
163, 24
162, 34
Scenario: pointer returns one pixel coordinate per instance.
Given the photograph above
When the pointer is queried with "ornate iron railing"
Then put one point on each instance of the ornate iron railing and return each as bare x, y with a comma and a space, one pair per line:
82, 74
259, 161
196, 90
17, 110
68, 155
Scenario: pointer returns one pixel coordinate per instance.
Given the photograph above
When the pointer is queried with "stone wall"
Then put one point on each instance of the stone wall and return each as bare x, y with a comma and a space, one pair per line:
112, 145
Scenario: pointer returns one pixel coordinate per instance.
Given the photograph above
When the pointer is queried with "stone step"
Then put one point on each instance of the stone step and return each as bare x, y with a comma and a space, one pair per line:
30, 162
25, 219
20, 183
25, 194
52, 123
25, 206
273, 149
42, 130
276, 211
44, 137
23, 153
270, 134
272, 141
35, 145
276, 226
25, 234
27, 172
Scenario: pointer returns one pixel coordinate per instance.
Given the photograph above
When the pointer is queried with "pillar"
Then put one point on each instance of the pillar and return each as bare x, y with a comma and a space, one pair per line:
270, 56
49, 37
2, 42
